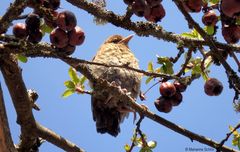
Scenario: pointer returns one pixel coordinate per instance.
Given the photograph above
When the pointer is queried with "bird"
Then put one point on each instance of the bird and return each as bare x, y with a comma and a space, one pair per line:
108, 111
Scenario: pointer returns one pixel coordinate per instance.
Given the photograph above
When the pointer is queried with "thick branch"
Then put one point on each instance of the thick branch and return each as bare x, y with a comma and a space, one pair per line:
56, 139
12, 13
144, 28
117, 92
6, 143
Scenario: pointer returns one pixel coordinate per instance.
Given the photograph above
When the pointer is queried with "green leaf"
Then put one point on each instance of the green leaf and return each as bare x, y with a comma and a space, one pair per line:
82, 80
73, 75
148, 80
45, 28
22, 58
188, 35
127, 147
205, 76
214, 1
152, 144
150, 67
210, 30
238, 143
69, 84
238, 21
67, 93
145, 149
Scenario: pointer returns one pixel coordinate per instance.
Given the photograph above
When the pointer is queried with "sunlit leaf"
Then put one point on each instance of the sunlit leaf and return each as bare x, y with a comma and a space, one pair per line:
210, 30
69, 84
22, 58
148, 80
152, 144
145, 149
127, 147
150, 67
67, 93
214, 1
188, 35
45, 28
82, 80
73, 75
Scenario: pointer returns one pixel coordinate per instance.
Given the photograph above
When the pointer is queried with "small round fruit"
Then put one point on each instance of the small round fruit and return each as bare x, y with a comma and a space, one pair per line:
76, 36
59, 38
210, 18
54, 4
68, 50
35, 36
213, 87
138, 7
156, 14
66, 20
20, 31
231, 33
163, 105
32, 22
230, 7
153, 3
176, 99
193, 5
179, 86
167, 89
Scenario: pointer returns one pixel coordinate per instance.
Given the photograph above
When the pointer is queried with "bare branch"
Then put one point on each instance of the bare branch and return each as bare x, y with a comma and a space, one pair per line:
12, 13
56, 139
6, 143
144, 28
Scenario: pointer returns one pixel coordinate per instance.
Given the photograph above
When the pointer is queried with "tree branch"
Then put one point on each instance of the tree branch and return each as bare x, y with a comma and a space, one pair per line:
144, 28
117, 92
6, 142
56, 139
30, 130
12, 13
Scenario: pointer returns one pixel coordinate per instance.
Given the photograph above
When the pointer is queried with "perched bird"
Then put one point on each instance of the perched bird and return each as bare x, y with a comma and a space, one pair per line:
109, 111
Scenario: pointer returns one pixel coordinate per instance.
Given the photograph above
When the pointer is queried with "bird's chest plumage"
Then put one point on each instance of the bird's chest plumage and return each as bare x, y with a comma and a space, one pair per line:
117, 54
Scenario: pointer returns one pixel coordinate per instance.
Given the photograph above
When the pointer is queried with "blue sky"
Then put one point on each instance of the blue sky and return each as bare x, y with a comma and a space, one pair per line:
72, 118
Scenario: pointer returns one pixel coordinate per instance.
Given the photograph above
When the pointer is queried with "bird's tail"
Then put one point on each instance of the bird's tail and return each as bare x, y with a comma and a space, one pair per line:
107, 119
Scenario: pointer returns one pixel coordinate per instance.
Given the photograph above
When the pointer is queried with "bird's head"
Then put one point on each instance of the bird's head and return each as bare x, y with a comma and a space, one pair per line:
118, 39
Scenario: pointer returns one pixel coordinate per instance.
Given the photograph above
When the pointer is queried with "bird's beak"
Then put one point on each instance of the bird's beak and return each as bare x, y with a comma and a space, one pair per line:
126, 39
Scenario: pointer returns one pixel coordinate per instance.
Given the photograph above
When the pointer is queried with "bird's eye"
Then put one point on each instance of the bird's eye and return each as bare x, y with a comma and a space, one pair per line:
115, 40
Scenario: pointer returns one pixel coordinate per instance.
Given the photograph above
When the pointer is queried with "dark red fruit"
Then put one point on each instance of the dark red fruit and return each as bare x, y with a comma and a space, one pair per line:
68, 50
193, 5
213, 87
231, 33
176, 99
156, 14
230, 7
153, 3
35, 36
167, 89
179, 86
128, 2
210, 18
33, 22
138, 7
20, 31
59, 38
76, 36
163, 105
66, 20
